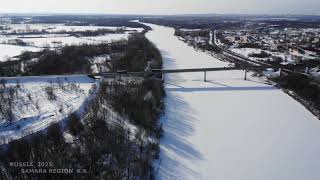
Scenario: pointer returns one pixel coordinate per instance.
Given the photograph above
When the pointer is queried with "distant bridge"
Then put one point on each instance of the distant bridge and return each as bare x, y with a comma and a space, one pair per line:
159, 73
156, 73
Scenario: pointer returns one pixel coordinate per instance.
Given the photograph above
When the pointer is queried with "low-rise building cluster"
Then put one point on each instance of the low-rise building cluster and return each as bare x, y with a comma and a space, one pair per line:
292, 45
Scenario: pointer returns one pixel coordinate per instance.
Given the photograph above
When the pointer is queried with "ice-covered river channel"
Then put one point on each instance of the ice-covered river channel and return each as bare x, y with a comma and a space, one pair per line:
228, 128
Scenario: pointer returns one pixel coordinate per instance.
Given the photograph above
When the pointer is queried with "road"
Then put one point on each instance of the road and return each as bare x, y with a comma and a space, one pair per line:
228, 128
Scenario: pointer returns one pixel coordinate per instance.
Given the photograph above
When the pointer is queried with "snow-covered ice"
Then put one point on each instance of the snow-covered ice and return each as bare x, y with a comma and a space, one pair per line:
228, 128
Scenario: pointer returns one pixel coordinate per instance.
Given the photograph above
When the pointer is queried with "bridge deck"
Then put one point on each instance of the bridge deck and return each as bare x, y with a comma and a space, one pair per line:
171, 71
166, 71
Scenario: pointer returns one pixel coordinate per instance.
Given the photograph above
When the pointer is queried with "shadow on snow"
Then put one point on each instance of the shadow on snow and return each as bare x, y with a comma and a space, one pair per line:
205, 89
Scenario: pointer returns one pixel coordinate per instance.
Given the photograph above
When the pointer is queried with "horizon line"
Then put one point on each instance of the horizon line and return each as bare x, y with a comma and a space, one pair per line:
164, 14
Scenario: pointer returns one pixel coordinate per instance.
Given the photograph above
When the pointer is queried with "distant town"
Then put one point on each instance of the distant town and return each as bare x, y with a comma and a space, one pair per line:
288, 42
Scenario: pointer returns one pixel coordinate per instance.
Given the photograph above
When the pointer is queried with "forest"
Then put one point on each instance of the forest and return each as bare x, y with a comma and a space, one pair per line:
102, 144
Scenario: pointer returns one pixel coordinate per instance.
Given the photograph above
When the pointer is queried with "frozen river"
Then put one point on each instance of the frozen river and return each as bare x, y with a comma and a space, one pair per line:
228, 128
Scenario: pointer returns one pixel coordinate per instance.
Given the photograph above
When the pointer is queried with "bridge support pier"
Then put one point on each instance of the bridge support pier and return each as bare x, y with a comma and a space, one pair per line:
205, 76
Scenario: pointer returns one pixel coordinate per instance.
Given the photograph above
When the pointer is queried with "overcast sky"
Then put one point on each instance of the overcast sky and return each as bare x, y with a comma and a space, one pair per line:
162, 6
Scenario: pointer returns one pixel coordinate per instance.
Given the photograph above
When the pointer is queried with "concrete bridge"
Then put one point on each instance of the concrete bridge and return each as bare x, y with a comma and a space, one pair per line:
158, 73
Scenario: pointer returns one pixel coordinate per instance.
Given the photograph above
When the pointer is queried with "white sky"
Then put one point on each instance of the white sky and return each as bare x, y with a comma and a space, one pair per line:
161, 6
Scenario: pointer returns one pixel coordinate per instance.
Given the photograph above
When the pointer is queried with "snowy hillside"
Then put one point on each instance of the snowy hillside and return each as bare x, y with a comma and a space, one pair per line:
229, 128
31, 104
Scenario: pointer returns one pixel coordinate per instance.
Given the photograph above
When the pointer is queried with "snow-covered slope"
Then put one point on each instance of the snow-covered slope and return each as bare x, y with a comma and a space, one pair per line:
33, 109
228, 128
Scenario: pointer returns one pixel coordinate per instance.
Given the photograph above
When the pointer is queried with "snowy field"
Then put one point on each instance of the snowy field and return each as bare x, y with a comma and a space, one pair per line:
54, 28
229, 128
59, 37
33, 110
189, 30
9, 51
43, 42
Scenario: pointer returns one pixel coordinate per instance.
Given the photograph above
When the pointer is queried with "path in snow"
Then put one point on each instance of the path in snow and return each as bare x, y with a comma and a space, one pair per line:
228, 128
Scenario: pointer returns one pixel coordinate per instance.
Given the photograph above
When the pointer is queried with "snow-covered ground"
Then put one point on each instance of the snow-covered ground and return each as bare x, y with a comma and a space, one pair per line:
71, 40
184, 29
9, 51
247, 51
99, 63
106, 38
315, 72
228, 128
34, 111
54, 40
286, 57
38, 42
53, 28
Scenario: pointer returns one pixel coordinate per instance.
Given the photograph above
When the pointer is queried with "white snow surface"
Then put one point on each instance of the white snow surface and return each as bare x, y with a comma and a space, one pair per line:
37, 114
228, 128
184, 29
285, 56
61, 27
38, 42
107, 37
50, 40
9, 51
